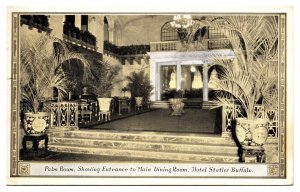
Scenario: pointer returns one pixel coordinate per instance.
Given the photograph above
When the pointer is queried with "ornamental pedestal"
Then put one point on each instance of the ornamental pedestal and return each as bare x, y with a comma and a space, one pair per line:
177, 106
252, 135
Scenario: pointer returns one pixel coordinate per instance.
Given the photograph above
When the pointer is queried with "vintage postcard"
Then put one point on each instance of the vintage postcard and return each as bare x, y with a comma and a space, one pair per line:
150, 98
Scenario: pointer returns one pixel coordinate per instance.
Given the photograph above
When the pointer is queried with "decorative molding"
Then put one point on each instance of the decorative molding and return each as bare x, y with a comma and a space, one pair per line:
204, 56
273, 170
24, 169
15, 105
282, 94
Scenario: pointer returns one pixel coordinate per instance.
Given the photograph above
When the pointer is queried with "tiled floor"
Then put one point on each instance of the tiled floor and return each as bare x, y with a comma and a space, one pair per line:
192, 121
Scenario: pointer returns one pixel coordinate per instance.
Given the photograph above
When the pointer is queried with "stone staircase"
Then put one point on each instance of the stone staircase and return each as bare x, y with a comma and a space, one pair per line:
187, 104
160, 105
146, 145
209, 105
192, 103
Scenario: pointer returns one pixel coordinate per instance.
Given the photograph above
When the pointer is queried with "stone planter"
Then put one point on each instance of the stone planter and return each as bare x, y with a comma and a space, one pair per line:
36, 123
252, 135
138, 102
177, 106
104, 108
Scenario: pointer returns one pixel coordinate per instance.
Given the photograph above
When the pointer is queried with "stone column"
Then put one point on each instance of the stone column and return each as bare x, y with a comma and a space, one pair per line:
205, 82
178, 76
78, 21
111, 32
56, 23
154, 80
96, 24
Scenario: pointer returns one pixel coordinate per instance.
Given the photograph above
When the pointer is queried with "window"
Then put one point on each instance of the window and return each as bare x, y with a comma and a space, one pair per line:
84, 22
200, 34
168, 33
106, 32
70, 19
217, 38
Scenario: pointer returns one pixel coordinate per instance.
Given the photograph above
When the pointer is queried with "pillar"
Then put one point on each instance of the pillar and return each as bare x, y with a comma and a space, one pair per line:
56, 23
78, 21
96, 24
205, 82
154, 80
111, 32
178, 76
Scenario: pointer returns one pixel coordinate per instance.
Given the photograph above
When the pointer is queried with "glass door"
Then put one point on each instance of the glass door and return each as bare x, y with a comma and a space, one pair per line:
168, 81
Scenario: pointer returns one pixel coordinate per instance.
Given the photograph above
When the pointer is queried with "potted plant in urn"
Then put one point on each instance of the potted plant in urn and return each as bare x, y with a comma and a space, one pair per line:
140, 87
41, 73
249, 78
177, 103
102, 83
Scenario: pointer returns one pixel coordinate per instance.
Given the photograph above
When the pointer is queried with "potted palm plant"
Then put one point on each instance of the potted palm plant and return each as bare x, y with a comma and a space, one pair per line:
41, 74
102, 82
139, 86
248, 79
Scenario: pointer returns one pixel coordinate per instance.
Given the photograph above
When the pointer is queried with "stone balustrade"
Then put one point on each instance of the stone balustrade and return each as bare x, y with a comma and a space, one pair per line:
79, 42
195, 46
229, 113
64, 114
164, 46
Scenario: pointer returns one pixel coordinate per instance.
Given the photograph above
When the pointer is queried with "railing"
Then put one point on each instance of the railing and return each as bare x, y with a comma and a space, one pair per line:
230, 113
64, 114
206, 44
126, 50
36, 21
164, 46
79, 42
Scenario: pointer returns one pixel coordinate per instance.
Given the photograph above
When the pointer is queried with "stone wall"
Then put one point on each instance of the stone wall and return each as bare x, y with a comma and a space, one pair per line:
125, 71
56, 23
33, 33
96, 27
142, 30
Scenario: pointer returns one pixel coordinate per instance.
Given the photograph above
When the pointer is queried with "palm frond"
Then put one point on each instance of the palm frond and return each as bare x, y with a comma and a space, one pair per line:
40, 64
254, 72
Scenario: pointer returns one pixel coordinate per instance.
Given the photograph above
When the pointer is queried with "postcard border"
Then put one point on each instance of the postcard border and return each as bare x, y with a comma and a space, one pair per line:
17, 167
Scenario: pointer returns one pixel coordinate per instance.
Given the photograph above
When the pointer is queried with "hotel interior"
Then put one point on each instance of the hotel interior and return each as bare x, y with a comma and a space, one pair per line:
149, 88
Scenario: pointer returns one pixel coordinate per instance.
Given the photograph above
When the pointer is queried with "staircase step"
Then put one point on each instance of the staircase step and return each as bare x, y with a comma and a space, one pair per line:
147, 136
160, 105
147, 154
145, 145
209, 105
192, 104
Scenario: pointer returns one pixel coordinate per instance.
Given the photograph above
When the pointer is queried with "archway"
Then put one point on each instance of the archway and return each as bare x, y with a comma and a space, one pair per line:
108, 29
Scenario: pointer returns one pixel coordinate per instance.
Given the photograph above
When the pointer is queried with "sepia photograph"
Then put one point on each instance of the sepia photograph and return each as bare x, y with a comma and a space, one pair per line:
153, 95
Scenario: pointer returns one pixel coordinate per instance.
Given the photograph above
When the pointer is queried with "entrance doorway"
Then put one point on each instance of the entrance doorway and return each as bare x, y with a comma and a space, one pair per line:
189, 79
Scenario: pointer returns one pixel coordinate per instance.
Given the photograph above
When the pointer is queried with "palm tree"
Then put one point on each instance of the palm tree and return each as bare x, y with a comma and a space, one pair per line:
253, 73
139, 85
104, 78
41, 69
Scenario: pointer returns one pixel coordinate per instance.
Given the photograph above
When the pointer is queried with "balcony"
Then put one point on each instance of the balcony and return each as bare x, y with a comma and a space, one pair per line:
40, 22
126, 50
130, 53
207, 44
80, 38
79, 42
